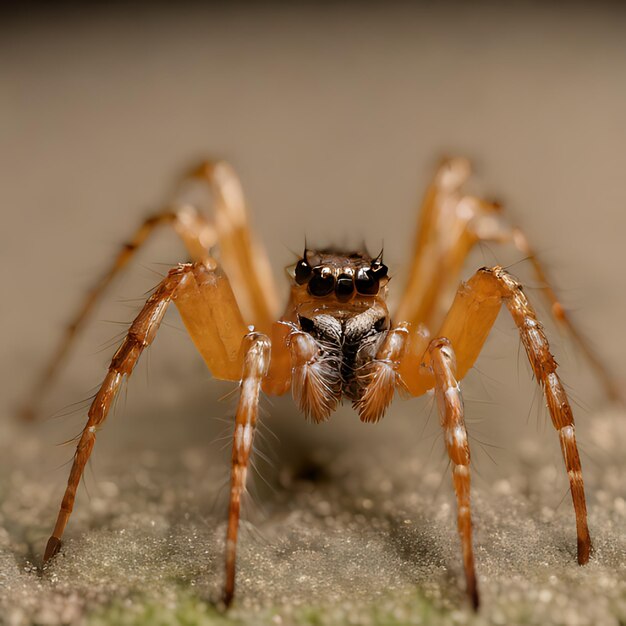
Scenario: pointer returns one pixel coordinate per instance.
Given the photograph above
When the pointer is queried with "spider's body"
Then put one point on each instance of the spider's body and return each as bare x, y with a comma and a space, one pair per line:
339, 301
336, 338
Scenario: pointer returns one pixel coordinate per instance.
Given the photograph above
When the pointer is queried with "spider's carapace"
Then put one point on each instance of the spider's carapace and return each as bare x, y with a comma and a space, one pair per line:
336, 338
341, 319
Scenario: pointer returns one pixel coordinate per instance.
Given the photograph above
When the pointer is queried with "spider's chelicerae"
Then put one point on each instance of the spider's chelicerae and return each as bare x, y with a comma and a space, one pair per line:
336, 337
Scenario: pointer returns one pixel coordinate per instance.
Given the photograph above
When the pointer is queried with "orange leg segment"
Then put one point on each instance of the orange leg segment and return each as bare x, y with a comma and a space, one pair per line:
451, 224
140, 335
502, 233
216, 328
450, 405
256, 363
242, 255
197, 235
467, 325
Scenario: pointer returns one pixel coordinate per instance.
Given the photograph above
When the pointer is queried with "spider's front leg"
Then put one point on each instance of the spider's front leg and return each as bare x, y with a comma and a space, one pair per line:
140, 335
450, 403
467, 325
255, 368
242, 256
408, 359
211, 315
401, 354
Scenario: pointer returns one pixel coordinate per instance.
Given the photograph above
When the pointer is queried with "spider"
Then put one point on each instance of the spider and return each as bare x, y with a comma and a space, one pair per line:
336, 337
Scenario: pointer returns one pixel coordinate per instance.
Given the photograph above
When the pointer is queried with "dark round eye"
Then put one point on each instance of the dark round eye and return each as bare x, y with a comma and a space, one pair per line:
345, 287
379, 270
321, 284
303, 272
366, 282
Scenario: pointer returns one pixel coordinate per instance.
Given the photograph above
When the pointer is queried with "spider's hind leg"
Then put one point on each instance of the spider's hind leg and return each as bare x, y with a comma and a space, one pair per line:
243, 257
451, 224
197, 235
496, 229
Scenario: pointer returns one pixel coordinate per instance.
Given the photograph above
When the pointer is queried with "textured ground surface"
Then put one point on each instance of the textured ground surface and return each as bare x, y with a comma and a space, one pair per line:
363, 533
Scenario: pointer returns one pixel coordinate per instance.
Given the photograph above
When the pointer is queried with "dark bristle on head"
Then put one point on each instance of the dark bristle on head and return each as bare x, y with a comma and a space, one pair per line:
379, 270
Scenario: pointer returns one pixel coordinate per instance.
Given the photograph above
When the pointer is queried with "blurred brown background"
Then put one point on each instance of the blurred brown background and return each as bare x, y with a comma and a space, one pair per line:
334, 117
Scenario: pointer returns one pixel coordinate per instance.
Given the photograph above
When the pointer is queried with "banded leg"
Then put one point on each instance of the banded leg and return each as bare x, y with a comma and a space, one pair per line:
196, 234
451, 224
140, 335
441, 245
255, 367
242, 255
450, 403
394, 360
497, 230
198, 292
467, 325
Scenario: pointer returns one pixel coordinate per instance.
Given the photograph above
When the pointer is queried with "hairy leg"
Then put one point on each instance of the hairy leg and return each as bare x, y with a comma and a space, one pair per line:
381, 376
494, 228
441, 244
140, 335
197, 235
451, 224
467, 325
386, 373
417, 365
242, 255
450, 403
255, 366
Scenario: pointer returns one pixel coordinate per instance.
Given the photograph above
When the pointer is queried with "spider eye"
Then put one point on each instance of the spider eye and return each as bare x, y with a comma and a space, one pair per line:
345, 287
321, 284
379, 270
303, 272
366, 282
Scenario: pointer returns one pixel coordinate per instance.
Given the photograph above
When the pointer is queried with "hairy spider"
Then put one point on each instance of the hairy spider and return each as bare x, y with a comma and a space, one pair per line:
336, 337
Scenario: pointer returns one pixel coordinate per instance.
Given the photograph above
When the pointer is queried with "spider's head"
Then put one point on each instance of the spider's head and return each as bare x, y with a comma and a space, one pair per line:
345, 275
339, 319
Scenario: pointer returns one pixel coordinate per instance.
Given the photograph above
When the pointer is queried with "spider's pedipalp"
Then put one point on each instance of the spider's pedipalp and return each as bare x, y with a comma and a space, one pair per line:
315, 377
379, 377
